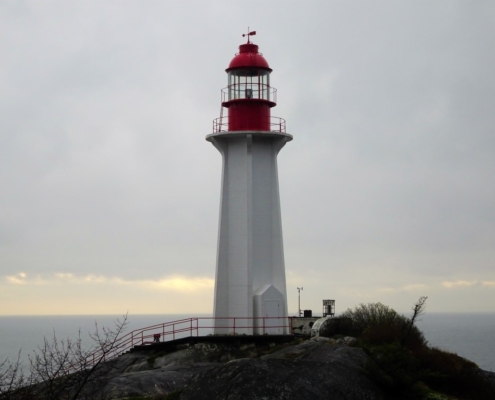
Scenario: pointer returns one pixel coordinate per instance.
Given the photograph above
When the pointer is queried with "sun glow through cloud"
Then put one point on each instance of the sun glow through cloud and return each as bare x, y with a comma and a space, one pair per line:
177, 283
67, 293
460, 283
417, 287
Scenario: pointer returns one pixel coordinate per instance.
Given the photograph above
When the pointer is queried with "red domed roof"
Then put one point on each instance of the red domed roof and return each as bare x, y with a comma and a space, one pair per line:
248, 57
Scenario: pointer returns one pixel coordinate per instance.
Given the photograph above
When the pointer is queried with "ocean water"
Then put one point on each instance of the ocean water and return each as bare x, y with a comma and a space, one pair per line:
470, 335
27, 333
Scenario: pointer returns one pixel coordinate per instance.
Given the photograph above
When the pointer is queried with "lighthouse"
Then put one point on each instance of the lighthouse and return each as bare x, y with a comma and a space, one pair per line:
250, 287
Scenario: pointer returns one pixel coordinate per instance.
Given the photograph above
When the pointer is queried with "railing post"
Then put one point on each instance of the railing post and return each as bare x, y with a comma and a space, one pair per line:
263, 325
173, 331
234, 326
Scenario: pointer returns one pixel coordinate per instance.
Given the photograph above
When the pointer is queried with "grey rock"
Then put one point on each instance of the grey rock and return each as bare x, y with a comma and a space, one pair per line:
203, 352
144, 374
319, 368
312, 370
350, 340
130, 362
138, 366
152, 382
281, 379
321, 339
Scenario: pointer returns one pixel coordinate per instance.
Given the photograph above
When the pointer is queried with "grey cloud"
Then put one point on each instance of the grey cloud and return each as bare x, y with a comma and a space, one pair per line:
104, 108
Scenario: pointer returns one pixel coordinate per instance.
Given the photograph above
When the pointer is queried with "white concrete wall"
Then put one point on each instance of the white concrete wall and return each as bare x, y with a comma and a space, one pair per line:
269, 304
250, 248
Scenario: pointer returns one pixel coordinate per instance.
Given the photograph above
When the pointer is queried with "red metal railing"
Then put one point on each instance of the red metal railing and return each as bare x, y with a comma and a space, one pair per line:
189, 327
222, 124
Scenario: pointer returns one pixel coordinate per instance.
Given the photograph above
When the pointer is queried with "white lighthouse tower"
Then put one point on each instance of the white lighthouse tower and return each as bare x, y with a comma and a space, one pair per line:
250, 288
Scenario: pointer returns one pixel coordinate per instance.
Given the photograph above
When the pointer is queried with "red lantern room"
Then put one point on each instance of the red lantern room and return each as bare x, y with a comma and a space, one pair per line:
248, 96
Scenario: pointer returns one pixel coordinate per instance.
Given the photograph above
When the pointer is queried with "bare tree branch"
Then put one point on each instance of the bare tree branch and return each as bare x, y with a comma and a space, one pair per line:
63, 369
418, 309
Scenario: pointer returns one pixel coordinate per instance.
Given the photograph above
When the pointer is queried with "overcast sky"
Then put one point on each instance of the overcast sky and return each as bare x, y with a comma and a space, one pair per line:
109, 193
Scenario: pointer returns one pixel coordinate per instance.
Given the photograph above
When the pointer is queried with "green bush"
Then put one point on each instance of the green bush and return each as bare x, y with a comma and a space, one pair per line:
396, 370
376, 323
403, 365
454, 375
367, 315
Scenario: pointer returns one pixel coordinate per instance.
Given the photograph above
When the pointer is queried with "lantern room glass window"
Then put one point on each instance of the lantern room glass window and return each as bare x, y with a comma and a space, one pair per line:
249, 84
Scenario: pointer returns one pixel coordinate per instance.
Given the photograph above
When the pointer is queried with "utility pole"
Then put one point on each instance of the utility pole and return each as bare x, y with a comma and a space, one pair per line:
299, 300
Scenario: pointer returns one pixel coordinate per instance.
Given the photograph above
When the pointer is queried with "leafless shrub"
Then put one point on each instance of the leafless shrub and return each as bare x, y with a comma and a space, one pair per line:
63, 369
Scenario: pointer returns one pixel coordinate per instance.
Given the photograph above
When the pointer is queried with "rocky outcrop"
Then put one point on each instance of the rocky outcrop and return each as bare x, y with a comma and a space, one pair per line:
151, 373
313, 369
254, 368
152, 382
154, 373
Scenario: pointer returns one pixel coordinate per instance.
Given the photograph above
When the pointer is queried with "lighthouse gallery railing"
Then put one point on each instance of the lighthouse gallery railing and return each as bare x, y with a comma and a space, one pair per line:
247, 90
221, 124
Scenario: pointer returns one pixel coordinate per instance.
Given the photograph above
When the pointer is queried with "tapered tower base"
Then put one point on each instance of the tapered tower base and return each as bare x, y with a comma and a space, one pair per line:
250, 274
